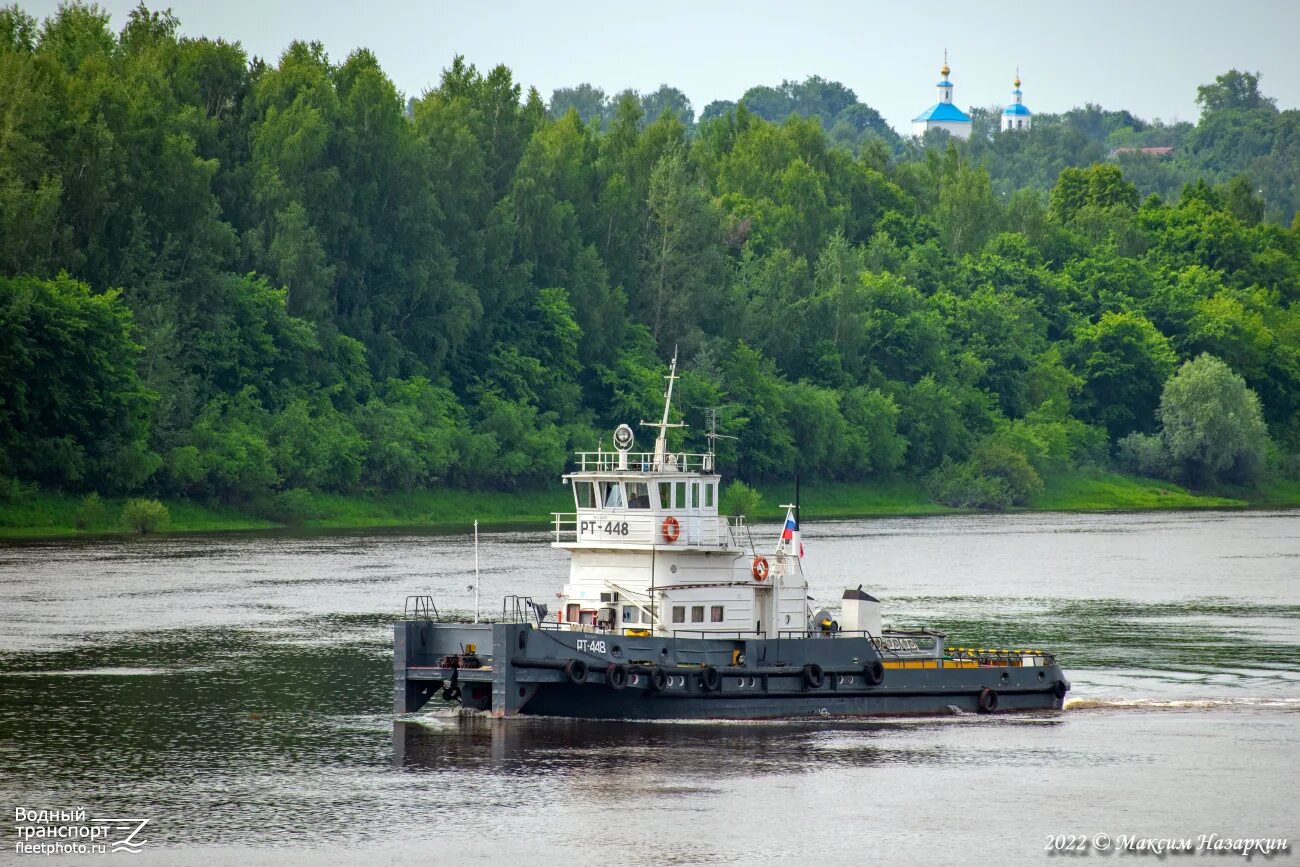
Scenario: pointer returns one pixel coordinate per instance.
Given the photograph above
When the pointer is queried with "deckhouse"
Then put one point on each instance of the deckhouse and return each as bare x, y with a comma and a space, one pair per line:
652, 554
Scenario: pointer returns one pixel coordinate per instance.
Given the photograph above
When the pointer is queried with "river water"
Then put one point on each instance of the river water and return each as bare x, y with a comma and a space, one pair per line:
236, 691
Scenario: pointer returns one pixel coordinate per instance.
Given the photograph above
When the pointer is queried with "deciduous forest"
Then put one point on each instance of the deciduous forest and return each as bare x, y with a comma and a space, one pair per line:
234, 279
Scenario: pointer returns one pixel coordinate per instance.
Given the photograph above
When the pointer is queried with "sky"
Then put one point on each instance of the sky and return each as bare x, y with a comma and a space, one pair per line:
1147, 56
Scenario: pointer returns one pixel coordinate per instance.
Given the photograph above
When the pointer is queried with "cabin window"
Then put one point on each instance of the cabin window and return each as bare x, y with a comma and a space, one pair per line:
611, 495
638, 495
629, 614
571, 613
585, 495
679, 614
715, 614
695, 495
679, 495
665, 495
697, 613
708, 496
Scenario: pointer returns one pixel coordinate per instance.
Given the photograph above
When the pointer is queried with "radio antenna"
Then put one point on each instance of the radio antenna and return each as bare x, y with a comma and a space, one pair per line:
712, 435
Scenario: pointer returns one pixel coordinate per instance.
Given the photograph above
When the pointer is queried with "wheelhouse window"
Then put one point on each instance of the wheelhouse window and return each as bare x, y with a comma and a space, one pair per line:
679, 495
715, 614
638, 495
611, 495
679, 614
665, 495
708, 495
697, 613
695, 495
630, 614
585, 495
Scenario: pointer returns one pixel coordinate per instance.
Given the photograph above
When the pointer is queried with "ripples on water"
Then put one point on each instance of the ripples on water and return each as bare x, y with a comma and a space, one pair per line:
236, 689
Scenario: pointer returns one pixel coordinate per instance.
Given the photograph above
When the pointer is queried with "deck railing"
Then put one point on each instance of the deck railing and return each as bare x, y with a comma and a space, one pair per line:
644, 462
643, 527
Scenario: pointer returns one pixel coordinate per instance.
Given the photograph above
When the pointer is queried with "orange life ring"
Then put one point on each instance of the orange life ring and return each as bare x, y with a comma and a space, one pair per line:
760, 569
671, 529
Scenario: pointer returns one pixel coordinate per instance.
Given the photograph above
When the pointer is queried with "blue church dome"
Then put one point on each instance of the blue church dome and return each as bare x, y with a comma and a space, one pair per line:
943, 111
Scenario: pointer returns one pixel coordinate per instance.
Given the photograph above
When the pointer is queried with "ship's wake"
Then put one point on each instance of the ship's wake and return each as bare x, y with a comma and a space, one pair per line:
1190, 704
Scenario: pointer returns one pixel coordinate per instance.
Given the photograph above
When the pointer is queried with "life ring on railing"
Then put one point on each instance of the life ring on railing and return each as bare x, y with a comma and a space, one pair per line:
671, 529
760, 569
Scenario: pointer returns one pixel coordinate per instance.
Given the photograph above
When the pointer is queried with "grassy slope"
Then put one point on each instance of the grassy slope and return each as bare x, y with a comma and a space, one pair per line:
48, 514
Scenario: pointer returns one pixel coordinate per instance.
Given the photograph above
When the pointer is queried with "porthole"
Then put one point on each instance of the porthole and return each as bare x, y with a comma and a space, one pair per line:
663, 651
616, 651
522, 692
673, 568
1042, 675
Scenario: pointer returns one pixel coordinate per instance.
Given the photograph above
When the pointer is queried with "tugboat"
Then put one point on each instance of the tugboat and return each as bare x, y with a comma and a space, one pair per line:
673, 611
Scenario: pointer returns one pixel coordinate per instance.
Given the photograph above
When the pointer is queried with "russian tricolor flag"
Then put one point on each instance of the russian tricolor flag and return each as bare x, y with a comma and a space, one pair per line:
790, 533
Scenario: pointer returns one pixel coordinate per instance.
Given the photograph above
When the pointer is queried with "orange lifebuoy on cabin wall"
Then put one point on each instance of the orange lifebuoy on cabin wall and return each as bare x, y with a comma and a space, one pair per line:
760, 569
671, 529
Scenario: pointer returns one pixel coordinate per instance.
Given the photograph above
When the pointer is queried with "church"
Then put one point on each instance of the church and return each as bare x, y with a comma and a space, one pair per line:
945, 115
1016, 116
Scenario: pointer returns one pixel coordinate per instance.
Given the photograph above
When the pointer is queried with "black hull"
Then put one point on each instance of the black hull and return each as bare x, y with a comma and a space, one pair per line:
579, 675
582, 703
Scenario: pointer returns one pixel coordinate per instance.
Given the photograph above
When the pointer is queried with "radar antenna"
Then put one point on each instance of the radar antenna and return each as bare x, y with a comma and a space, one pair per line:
661, 441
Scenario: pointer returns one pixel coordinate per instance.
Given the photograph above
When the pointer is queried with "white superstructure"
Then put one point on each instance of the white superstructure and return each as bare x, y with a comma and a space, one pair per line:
651, 552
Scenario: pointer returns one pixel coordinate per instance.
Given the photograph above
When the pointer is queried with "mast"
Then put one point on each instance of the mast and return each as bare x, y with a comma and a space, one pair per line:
661, 441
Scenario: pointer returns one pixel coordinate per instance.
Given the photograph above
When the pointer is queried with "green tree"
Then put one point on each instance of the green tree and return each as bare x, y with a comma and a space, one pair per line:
1213, 428
1123, 361
73, 412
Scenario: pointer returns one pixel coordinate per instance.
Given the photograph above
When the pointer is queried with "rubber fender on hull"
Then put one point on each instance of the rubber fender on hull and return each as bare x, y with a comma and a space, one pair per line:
988, 701
616, 675
813, 676
874, 673
576, 671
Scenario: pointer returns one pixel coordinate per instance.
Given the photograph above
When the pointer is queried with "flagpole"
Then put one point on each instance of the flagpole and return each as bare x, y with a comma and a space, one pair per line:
476, 570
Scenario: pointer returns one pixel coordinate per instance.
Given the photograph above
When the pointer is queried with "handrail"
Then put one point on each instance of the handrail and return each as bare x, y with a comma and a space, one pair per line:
721, 633
420, 607
643, 462
643, 527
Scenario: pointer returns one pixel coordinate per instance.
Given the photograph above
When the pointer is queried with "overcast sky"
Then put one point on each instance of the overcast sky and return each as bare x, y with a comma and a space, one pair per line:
1144, 55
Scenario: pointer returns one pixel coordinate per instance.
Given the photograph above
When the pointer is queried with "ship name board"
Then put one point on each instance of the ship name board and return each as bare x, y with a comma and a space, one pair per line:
610, 528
